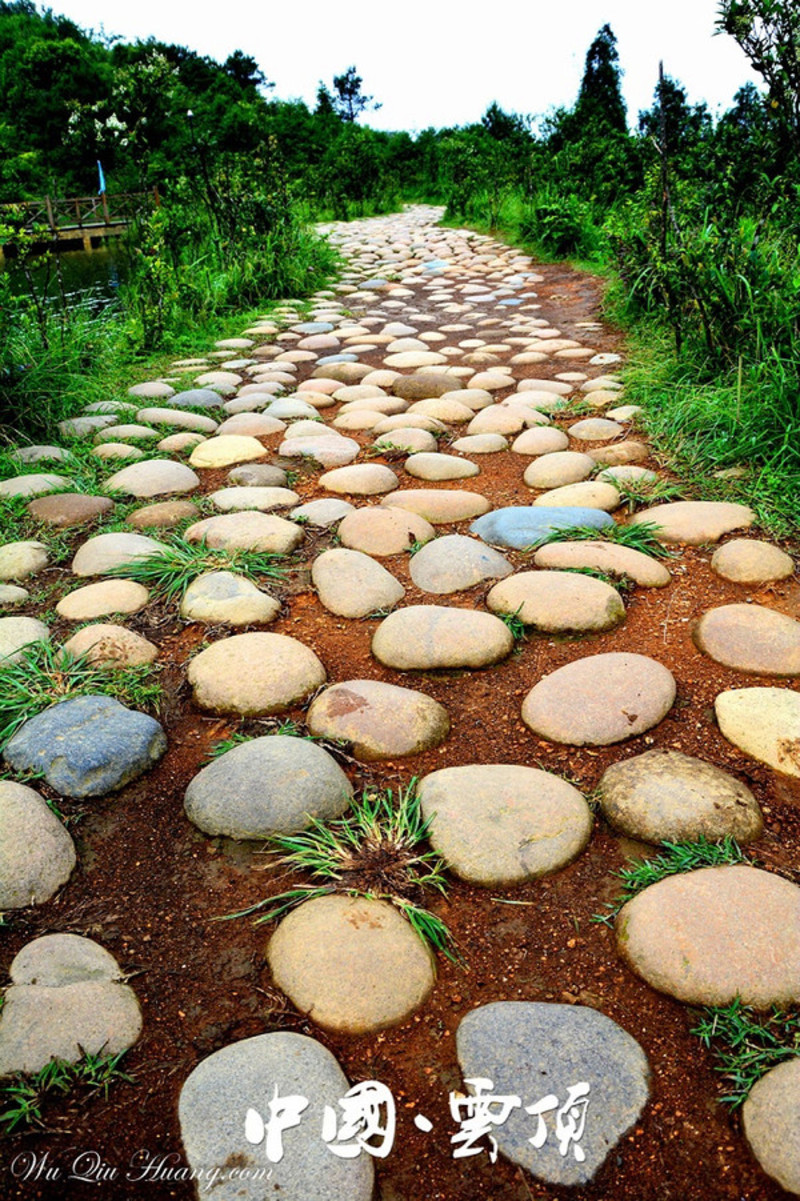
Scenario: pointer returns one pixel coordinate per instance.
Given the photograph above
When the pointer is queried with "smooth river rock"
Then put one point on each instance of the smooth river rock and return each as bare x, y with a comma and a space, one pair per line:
558, 601
351, 584
254, 674
427, 637
764, 723
37, 853
750, 638
380, 721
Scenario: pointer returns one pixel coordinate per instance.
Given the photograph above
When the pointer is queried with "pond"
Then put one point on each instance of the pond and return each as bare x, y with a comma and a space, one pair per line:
96, 273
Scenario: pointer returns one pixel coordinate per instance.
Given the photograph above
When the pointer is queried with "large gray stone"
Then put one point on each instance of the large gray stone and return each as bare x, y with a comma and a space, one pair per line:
427, 637
499, 824
381, 721
454, 562
528, 525
771, 1121
66, 1000
87, 746
254, 674
709, 936
351, 584
353, 964
271, 785
665, 796
214, 1110
37, 854
532, 1050
600, 699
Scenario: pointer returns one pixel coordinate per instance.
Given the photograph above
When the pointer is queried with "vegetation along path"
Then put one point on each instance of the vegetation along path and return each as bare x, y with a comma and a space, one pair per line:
396, 591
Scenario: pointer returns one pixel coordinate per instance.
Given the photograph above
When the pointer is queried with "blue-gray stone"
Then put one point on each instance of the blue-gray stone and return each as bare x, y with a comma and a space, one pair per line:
313, 327
87, 746
533, 1050
337, 358
510, 302
196, 398
529, 525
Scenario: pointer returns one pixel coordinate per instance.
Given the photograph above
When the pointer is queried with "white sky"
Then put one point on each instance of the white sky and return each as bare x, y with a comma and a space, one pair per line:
437, 62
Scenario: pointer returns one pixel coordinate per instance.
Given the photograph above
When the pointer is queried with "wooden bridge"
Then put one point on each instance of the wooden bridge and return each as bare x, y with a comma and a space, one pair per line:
85, 219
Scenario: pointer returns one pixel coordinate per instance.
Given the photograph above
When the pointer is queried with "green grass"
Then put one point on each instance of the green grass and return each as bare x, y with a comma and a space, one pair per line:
642, 537
25, 1095
514, 623
375, 851
746, 1044
170, 574
638, 494
674, 859
44, 675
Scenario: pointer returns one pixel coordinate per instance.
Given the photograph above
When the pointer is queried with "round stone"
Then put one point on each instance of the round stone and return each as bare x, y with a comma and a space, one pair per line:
521, 526
607, 557
254, 674
362, 479
558, 469
257, 475
272, 785
175, 443
120, 450
427, 637
68, 508
440, 506
196, 398
102, 600
224, 598
408, 421
440, 467
558, 601
164, 515
589, 494
246, 530
87, 746
748, 561
496, 824
352, 964
764, 723
595, 429
37, 854
556, 1054
18, 560
67, 1000
409, 441
32, 485
226, 449
111, 646
16, 633
152, 390
454, 563
178, 418
422, 387
263, 499
380, 721
127, 433
217, 1115
696, 521
384, 531
629, 451
329, 450
600, 699
12, 594
771, 1123
451, 412
322, 513
750, 638
351, 584
709, 936
665, 796
480, 444
152, 477
253, 425
108, 552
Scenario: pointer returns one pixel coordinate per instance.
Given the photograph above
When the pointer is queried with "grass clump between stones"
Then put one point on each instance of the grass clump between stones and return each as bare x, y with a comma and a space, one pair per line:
515, 624
642, 537
674, 859
45, 675
746, 1044
25, 1094
170, 572
374, 851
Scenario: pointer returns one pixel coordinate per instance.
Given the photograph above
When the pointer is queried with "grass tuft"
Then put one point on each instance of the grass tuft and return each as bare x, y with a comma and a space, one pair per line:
170, 574
26, 1094
642, 537
747, 1044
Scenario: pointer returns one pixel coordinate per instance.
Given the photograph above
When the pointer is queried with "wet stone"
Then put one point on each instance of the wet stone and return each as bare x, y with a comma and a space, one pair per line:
750, 638
271, 785
706, 937
352, 964
87, 746
254, 674
533, 1050
496, 824
665, 796
378, 720
600, 699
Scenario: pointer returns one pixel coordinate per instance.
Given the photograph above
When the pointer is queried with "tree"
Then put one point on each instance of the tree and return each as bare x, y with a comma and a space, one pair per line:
600, 98
349, 101
245, 71
768, 31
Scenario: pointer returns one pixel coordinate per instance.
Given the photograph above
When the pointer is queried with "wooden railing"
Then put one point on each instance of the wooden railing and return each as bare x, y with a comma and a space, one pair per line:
80, 213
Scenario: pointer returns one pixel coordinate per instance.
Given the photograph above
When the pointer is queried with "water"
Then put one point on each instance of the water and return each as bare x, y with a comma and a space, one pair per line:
87, 275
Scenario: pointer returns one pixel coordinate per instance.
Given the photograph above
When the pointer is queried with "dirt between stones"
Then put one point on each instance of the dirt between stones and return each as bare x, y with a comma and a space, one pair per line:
149, 885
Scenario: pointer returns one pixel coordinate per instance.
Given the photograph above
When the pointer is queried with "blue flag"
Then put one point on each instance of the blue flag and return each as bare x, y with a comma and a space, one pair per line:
101, 177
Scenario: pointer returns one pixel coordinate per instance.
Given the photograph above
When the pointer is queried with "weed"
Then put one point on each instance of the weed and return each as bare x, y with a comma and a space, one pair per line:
374, 851
643, 537
636, 494
169, 574
622, 583
676, 857
747, 1044
414, 546
44, 675
515, 624
25, 1093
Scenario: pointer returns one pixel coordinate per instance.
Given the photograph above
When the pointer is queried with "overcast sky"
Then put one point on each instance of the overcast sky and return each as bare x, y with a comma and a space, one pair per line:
442, 63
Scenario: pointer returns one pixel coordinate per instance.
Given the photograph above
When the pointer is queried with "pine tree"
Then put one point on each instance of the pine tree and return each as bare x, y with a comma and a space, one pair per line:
600, 100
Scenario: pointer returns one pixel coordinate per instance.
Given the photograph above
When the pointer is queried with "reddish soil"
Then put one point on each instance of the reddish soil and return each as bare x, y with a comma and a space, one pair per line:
149, 885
